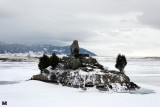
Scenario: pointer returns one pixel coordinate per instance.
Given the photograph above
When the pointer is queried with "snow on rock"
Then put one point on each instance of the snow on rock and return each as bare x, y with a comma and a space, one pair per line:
81, 70
85, 72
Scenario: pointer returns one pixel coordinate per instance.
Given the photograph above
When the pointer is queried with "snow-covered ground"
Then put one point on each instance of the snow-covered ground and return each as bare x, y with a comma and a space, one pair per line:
19, 92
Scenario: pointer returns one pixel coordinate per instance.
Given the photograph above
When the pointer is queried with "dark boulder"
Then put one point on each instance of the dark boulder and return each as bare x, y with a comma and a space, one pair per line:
74, 48
132, 86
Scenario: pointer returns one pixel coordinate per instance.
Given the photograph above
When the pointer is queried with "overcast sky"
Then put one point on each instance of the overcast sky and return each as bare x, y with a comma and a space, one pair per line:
105, 27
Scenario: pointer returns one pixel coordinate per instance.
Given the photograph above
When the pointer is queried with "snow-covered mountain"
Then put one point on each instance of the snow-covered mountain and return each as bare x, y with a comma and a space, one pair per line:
46, 49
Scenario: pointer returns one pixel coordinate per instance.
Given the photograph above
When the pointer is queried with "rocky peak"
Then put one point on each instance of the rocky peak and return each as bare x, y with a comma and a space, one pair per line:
74, 48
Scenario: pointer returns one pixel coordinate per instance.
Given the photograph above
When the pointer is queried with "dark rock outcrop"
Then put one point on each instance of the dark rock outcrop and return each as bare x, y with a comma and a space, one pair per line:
71, 62
85, 72
74, 48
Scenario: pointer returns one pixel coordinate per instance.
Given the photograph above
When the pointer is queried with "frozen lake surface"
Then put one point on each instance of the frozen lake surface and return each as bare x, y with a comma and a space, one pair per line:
17, 71
139, 70
19, 92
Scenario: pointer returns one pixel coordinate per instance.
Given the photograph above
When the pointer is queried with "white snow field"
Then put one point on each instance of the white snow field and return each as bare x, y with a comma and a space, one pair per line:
19, 92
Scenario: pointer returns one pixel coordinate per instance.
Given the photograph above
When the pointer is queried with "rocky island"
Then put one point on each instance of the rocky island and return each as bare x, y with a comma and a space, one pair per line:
81, 70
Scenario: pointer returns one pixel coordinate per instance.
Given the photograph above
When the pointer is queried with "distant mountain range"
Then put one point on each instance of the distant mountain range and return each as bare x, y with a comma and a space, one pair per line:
46, 49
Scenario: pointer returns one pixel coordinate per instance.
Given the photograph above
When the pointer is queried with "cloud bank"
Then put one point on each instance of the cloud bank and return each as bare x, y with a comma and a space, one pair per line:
106, 27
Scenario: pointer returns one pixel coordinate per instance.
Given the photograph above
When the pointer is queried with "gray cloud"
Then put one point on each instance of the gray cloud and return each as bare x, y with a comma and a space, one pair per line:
116, 25
151, 14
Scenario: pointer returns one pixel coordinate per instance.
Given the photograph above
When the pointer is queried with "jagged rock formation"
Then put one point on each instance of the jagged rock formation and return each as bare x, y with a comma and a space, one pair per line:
81, 70
71, 62
74, 48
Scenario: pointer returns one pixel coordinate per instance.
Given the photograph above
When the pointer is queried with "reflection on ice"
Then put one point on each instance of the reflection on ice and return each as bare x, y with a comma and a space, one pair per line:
140, 91
8, 82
